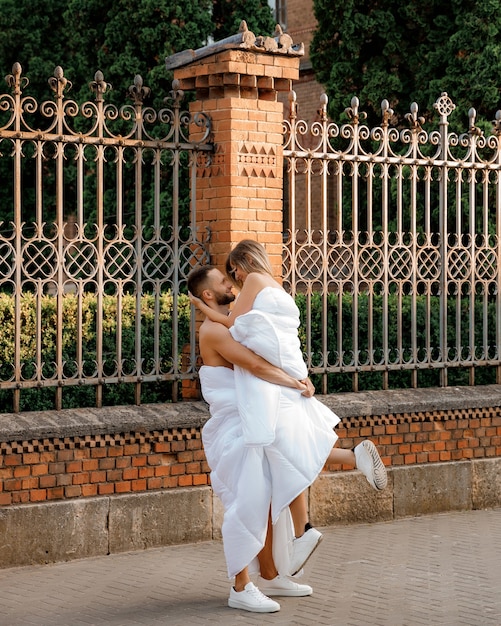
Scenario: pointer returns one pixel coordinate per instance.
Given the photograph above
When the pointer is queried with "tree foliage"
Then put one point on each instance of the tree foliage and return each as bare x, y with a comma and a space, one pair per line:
121, 39
409, 52
228, 14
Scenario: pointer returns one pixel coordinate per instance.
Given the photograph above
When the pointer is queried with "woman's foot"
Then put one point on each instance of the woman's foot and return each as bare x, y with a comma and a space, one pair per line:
251, 599
283, 586
370, 464
303, 547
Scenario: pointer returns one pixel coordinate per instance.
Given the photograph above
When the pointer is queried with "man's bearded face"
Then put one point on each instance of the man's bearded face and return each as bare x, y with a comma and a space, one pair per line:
225, 298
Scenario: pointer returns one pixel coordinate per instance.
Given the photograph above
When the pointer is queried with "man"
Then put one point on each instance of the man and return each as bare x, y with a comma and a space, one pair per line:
240, 475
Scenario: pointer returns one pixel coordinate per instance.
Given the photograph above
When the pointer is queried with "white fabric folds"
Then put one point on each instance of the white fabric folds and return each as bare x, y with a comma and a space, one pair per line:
270, 330
248, 479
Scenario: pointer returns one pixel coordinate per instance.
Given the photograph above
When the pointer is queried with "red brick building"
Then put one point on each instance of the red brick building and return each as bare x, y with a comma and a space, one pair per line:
297, 18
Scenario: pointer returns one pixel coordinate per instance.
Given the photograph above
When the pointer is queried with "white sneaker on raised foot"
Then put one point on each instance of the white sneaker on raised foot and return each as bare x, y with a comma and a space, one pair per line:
251, 599
283, 586
370, 464
303, 547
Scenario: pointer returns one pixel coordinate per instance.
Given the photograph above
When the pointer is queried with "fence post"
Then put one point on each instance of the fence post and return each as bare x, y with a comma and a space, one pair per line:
239, 195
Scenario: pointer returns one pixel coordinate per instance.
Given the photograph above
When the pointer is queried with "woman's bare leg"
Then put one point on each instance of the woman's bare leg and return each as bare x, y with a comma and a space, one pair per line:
267, 565
342, 456
299, 514
241, 579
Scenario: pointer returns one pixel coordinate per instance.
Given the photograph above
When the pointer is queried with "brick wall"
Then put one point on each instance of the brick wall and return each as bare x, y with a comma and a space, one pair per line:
62, 468
427, 436
100, 465
239, 195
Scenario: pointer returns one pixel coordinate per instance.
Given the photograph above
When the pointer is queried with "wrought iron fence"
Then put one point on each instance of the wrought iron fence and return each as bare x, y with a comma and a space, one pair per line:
95, 244
393, 245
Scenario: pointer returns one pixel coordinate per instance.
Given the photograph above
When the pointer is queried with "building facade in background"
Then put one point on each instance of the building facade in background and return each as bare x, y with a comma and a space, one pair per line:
297, 18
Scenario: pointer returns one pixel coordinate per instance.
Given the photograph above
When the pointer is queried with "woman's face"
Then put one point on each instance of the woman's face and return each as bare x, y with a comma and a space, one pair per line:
239, 274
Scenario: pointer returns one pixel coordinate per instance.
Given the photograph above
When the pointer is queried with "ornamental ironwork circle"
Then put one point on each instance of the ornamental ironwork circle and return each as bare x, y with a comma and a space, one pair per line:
371, 266
157, 261
428, 263
340, 263
120, 260
80, 260
459, 264
309, 262
40, 259
400, 260
486, 264
192, 254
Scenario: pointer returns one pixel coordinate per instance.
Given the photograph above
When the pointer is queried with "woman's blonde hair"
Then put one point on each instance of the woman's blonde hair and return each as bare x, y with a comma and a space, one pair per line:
250, 256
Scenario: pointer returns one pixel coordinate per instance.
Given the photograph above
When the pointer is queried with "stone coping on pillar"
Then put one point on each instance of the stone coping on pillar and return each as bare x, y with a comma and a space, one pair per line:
280, 44
242, 64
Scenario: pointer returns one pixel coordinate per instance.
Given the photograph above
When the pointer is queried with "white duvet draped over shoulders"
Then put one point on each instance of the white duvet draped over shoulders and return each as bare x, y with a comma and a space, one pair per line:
270, 330
265, 444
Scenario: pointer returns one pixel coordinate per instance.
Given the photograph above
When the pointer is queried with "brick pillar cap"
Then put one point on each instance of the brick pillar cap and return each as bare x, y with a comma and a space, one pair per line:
280, 44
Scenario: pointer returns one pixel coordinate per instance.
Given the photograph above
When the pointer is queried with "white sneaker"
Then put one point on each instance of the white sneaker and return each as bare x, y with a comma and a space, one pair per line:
370, 464
303, 547
283, 586
251, 599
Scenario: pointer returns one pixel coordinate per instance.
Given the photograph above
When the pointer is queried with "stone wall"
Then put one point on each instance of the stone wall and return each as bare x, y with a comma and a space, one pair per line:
85, 482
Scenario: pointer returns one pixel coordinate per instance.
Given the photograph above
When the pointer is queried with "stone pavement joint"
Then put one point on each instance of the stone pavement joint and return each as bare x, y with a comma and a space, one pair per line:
442, 570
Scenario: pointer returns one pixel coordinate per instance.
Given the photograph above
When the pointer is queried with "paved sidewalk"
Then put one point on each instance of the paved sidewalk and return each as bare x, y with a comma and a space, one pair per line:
433, 570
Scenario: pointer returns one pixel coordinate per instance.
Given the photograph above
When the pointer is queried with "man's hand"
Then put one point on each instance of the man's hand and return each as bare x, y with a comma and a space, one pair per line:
309, 390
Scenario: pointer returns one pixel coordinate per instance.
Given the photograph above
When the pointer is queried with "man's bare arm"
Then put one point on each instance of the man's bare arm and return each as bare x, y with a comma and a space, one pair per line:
218, 338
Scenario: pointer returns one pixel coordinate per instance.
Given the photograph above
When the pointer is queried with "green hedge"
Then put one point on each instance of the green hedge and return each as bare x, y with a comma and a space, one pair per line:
76, 396
115, 394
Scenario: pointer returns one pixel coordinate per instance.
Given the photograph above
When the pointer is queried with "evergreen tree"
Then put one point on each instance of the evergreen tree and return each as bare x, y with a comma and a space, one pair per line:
121, 39
409, 52
228, 14
131, 37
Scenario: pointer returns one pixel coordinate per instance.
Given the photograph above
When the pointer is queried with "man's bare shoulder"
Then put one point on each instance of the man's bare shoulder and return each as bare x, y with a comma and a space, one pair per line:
212, 339
212, 331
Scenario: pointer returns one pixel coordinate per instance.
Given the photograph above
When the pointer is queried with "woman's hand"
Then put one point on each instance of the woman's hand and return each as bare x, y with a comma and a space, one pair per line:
196, 302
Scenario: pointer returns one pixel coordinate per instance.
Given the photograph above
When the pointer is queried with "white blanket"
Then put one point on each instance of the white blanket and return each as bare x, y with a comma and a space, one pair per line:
248, 479
270, 329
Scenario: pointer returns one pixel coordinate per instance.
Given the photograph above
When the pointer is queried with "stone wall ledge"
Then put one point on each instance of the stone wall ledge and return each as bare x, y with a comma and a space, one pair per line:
61, 531
107, 420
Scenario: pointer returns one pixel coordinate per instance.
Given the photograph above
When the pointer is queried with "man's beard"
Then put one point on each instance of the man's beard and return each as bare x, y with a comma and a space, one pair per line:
224, 298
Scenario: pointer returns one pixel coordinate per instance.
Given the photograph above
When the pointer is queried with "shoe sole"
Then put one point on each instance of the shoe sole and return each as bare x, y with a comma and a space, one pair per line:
378, 482
245, 607
285, 594
309, 556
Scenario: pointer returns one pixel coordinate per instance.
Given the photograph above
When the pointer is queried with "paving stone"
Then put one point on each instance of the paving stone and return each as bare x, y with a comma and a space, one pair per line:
441, 569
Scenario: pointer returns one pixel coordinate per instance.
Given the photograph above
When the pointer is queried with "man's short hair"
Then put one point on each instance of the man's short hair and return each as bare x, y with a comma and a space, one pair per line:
197, 279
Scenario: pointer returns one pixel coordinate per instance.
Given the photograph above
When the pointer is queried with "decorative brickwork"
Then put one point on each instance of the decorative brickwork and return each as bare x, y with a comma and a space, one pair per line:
95, 465
427, 437
101, 465
240, 194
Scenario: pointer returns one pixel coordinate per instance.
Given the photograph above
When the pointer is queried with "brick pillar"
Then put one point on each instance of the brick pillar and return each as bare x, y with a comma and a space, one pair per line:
240, 195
